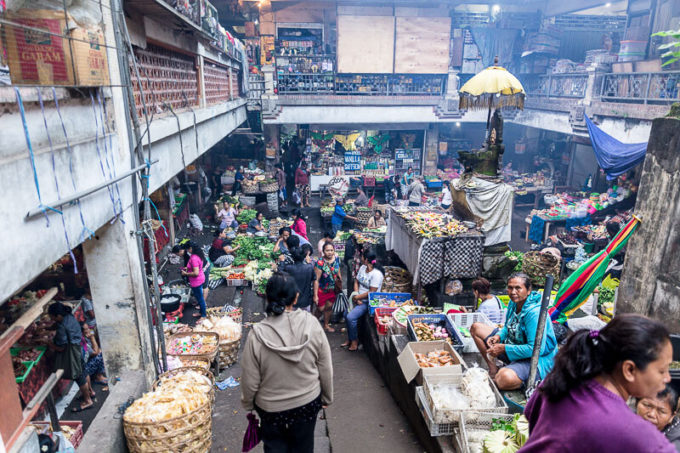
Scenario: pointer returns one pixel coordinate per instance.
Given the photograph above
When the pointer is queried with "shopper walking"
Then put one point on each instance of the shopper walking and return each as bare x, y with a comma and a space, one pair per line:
287, 372
194, 271
302, 184
69, 353
299, 224
303, 273
514, 343
581, 404
328, 283
369, 279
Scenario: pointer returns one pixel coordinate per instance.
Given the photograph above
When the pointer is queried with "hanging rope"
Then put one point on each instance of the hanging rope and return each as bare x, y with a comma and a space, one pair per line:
99, 155
107, 139
43, 207
86, 233
186, 102
56, 180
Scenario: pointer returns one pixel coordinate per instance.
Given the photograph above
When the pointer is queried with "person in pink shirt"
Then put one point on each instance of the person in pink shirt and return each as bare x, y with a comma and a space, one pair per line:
299, 225
194, 271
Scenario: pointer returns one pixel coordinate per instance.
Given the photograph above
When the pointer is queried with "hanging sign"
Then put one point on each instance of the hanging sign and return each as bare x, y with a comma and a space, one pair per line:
352, 161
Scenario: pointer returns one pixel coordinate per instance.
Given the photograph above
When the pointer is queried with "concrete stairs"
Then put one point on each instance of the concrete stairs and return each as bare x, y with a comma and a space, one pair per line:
272, 114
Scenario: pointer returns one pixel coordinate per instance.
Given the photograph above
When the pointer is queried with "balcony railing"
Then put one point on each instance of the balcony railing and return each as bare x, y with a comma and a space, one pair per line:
361, 84
641, 87
560, 86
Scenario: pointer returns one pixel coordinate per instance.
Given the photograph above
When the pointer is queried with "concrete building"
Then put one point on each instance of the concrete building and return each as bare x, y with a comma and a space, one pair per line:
65, 143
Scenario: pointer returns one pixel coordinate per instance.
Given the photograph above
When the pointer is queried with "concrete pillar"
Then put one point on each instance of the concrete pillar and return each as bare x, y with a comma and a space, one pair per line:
115, 275
650, 282
431, 150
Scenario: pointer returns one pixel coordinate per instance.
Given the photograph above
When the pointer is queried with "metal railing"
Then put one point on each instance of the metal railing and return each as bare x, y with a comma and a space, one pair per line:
641, 87
568, 85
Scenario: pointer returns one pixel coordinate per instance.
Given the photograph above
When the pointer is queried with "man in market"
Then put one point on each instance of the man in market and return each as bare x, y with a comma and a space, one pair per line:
416, 191
339, 215
362, 199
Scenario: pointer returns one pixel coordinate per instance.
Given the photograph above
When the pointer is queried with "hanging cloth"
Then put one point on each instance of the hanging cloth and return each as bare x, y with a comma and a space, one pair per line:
614, 157
495, 42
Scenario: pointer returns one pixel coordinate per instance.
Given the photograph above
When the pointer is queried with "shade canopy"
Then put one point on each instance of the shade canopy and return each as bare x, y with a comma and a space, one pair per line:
494, 87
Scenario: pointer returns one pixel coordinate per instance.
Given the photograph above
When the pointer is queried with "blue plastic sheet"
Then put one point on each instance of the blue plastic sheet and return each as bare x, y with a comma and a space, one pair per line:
614, 157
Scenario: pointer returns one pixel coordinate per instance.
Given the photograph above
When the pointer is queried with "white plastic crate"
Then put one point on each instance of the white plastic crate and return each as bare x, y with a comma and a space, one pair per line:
466, 320
454, 380
478, 421
436, 429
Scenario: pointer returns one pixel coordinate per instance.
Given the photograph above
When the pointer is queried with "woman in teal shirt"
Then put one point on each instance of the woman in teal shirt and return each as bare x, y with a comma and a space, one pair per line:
514, 344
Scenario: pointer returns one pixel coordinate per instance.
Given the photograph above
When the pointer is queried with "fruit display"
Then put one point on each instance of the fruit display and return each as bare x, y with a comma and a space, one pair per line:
434, 359
428, 224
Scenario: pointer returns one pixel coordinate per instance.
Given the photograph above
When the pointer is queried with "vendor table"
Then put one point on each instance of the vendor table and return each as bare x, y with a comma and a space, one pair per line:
430, 260
537, 192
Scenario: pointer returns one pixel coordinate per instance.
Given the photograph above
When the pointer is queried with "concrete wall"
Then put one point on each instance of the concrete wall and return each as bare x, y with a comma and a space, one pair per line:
650, 283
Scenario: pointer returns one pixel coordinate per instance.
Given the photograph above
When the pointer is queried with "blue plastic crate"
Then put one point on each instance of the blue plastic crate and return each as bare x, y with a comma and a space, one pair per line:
375, 300
434, 184
440, 319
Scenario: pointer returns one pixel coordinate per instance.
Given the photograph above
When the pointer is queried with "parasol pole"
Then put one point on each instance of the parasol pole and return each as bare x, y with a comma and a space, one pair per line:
540, 333
488, 115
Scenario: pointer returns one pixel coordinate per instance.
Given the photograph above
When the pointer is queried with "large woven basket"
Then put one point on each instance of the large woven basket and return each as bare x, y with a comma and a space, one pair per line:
269, 187
209, 356
537, 265
189, 433
191, 362
177, 371
229, 352
236, 315
397, 280
249, 188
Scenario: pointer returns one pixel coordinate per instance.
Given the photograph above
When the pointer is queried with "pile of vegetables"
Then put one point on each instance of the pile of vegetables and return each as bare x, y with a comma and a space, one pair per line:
246, 215
252, 248
430, 332
518, 257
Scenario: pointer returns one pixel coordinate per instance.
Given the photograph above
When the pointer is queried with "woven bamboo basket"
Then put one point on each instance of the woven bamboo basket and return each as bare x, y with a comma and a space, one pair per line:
189, 433
229, 352
269, 187
208, 356
397, 280
249, 187
177, 371
203, 364
236, 315
537, 265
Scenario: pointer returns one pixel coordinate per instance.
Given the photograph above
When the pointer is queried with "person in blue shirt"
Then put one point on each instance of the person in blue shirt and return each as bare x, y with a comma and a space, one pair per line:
238, 177
339, 215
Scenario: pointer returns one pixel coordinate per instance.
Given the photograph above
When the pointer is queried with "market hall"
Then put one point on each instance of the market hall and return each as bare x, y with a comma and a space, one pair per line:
246, 225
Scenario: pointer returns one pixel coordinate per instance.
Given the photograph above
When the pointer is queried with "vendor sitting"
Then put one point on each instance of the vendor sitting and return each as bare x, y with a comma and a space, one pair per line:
376, 221
221, 253
661, 411
514, 344
490, 305
255, 225
281, 243
362, 199
227, 216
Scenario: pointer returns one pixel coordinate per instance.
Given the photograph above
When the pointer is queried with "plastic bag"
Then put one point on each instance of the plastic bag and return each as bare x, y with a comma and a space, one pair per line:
196, 222
63, 444
252, 436
296, 197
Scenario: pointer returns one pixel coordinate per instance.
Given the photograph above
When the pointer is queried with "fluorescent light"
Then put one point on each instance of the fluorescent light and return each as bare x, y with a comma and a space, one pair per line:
607, 5
457, 123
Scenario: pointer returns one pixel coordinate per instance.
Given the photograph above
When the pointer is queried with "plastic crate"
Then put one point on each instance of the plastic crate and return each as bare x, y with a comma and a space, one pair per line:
474, 420
455, 380
236, 282
466, 320
436, 429
376, 299
14, 351
434, 184
456, 340
383, 311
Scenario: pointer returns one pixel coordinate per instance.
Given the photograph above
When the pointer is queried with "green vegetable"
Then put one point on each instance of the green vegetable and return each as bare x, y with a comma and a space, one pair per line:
246, 215
606, 295
516, 256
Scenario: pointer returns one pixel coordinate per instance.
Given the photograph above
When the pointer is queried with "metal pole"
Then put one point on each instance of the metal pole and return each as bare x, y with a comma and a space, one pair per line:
540, 330
83, 193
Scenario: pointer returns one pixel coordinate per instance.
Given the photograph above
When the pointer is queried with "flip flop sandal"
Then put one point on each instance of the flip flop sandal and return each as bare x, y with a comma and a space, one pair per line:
75, 410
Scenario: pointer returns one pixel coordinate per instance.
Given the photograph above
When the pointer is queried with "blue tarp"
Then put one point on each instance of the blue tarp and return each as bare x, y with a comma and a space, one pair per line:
614, 157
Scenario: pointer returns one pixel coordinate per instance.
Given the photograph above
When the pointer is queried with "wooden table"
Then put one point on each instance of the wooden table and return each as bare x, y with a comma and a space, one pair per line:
536, 191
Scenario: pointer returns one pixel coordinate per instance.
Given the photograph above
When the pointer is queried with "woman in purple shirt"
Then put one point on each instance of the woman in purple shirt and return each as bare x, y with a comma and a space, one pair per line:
581, 404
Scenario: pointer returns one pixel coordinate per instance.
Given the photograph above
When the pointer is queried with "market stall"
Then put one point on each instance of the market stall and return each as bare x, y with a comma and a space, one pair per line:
433, 245
535, 185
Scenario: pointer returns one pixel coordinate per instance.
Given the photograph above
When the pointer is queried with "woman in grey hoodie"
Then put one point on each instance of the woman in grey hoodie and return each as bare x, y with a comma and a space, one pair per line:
287, 373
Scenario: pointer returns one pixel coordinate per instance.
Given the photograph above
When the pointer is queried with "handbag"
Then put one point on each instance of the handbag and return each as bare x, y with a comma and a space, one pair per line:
69, 360
252, 436
341, 304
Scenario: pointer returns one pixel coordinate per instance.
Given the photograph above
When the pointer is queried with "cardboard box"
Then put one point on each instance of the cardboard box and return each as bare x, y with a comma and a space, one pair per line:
37, 58
411, 369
